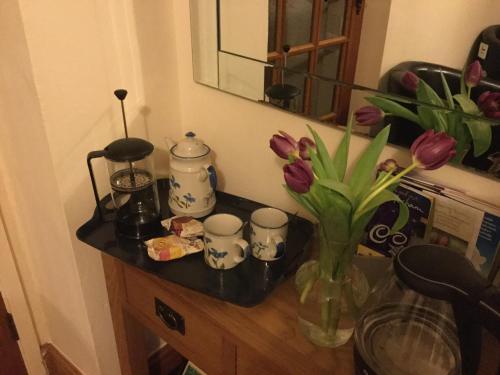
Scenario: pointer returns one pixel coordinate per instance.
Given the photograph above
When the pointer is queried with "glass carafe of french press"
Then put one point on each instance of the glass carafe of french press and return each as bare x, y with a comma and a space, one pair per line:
426, 316
133, 184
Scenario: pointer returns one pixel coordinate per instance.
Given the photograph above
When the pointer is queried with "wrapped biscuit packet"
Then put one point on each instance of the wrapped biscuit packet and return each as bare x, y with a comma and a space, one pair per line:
172, 247
183, 226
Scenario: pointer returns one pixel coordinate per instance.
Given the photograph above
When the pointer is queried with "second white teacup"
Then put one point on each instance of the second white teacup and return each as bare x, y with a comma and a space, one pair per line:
224, 246
268, 230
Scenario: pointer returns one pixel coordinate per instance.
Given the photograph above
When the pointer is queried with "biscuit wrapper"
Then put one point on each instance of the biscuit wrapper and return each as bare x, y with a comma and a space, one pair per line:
183, 226
172, 247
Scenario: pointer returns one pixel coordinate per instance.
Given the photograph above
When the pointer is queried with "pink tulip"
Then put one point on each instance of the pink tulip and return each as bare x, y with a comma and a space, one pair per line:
283, 145
303, 143
410, 81
473, 74
298, 176
369, 115
489, 104
432, 150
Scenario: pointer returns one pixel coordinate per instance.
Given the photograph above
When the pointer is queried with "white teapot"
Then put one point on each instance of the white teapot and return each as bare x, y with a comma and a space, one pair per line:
192, 177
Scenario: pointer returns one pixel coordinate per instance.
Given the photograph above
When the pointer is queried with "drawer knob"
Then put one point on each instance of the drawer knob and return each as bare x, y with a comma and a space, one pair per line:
171, 318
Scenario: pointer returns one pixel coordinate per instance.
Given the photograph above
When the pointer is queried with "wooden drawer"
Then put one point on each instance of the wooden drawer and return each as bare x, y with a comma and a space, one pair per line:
202, 341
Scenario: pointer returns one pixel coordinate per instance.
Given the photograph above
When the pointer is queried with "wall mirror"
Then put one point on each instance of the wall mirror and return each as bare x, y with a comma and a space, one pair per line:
327, 58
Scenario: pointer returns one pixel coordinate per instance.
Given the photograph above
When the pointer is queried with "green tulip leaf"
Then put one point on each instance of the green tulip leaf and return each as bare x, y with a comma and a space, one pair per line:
303, 201
480, 132
447, 91
316, 163
381, 198
365, 166
340, 158
430, 118
358, 227
426, 94
467, 105
336, 220
459, 130
338, 187
323, 155
393, 108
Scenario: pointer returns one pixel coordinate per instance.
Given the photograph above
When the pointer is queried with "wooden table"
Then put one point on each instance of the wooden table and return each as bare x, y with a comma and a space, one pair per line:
220, 338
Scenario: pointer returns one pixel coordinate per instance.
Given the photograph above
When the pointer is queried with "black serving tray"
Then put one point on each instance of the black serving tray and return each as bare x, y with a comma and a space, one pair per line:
247, 284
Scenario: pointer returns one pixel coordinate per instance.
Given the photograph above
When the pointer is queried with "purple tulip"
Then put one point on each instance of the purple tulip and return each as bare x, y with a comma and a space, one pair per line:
410, 81
303, 143
473, 74
432, 150
298, 176
283, 145
489, 104
369, 115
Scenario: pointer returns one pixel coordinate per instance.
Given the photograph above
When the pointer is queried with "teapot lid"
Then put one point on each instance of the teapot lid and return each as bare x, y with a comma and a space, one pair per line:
190, 147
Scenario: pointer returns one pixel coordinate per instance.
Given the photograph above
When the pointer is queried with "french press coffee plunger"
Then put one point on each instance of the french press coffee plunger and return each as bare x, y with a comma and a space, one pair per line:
133, 184
426, 316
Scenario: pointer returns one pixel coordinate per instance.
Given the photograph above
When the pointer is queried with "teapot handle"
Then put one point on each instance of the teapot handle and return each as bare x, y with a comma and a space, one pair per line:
208, 171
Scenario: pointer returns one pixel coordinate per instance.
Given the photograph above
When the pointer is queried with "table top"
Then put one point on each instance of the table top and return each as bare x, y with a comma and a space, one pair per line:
247, 284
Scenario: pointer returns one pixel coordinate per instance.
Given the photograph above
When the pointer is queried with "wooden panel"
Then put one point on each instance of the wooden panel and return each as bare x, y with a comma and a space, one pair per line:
56, 363
203, 342
268, 331
165, 361
11, 361
129, 334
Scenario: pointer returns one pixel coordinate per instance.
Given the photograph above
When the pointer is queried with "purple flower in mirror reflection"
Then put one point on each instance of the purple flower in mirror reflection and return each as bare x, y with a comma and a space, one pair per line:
410, 81
298, 176
473, 74
369, 115
489, 103
432, 150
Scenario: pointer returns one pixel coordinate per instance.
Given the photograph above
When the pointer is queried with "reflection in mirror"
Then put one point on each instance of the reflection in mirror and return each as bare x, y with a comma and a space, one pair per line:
305, 56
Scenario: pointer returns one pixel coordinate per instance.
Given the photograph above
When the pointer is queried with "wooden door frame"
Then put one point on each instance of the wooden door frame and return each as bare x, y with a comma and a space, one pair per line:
14, 296
348, 42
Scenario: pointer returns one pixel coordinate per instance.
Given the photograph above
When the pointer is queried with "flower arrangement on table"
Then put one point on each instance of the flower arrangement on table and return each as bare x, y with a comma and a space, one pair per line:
465, 130
343, 207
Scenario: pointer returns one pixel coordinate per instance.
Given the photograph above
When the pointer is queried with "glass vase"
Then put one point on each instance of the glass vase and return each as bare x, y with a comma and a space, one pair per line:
331, 291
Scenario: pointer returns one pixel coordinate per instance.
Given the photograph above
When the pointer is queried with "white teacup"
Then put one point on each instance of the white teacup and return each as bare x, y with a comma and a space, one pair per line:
268, 230
224, 246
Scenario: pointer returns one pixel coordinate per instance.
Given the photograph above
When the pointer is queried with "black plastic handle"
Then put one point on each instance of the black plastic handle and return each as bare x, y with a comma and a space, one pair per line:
93, 155
171, 318
489, 310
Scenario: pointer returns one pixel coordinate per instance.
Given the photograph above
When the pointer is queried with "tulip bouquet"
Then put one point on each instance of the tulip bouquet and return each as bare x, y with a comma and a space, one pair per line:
343, 207
465, 130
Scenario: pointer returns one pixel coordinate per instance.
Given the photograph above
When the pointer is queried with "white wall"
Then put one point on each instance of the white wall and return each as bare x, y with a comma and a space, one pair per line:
238, 131
61, 62
440, 31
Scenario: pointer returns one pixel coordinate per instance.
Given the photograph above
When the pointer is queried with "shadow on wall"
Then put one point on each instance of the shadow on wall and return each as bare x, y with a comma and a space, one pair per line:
158, 58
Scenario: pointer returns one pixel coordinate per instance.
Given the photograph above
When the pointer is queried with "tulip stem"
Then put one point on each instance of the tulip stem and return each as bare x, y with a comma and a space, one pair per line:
383, 179
381, 187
